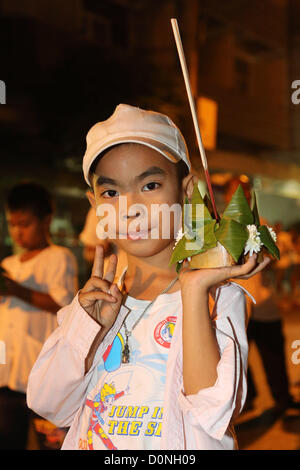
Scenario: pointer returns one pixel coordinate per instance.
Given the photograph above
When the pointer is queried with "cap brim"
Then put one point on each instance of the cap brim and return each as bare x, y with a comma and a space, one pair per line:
169, 153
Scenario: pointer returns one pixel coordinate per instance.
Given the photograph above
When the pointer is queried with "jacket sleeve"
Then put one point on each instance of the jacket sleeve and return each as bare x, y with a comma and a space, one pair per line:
57, 383
213, 408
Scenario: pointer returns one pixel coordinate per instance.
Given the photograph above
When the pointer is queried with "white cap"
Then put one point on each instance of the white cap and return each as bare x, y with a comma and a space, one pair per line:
131, 124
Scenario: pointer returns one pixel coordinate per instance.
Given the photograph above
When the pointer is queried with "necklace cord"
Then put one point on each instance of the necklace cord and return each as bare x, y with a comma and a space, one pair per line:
126, 351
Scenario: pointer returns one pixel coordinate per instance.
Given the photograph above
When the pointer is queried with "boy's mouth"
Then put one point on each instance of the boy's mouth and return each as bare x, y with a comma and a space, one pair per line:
137, 235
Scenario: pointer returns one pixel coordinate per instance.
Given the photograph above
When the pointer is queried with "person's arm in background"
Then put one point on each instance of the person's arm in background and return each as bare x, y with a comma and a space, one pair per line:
40, 300
62, 284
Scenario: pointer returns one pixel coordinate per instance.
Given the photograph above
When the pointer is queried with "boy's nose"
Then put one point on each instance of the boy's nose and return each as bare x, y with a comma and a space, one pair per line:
132, 215
133, 210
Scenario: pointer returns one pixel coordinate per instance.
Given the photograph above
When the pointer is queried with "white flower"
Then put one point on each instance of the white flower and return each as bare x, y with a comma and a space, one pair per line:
253, 244
272, 233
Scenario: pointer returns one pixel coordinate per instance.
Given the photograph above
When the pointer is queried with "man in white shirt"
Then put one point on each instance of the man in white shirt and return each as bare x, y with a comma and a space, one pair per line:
36, 283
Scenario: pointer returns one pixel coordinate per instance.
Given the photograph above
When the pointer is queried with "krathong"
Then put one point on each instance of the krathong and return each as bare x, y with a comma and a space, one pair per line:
209, 240
235, 235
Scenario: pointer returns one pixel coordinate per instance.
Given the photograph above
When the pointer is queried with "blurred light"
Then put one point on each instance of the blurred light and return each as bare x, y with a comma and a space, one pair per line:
220, 179
244, 178
207, 111
285, 188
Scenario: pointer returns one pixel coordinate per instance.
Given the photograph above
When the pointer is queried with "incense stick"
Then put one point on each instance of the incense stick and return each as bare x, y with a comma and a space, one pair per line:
193, 110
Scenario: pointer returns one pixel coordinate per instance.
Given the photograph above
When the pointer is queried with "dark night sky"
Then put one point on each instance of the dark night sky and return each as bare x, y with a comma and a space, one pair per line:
55, 104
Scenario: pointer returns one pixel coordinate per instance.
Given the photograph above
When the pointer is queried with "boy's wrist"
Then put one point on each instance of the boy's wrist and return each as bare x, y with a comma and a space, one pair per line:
194, 290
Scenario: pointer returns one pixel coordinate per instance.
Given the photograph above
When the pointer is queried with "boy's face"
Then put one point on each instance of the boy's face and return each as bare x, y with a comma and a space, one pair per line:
148, 180
26, 229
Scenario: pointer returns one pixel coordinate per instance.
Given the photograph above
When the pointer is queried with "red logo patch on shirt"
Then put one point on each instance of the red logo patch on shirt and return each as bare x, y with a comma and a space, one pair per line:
164, 331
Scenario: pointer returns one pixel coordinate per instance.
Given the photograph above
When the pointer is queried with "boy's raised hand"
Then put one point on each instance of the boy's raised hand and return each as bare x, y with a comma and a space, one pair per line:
99, 297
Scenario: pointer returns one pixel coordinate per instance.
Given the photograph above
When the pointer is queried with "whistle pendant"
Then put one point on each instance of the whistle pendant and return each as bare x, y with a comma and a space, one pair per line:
125, 354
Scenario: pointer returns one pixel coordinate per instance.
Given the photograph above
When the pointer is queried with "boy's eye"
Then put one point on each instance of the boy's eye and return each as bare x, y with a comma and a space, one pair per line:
151, 186
109, 193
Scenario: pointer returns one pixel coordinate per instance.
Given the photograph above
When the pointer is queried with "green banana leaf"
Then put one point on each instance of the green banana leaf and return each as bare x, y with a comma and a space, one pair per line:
238, 208
209, 205
231, 231
254, 210
197, 199
233, 236
180, 251
190, 247
268, 242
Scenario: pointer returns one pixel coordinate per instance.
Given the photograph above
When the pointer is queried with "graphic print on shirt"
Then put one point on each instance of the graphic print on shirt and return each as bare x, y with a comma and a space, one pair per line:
117, 414
164, 331
113, 355
101, 403
126, 399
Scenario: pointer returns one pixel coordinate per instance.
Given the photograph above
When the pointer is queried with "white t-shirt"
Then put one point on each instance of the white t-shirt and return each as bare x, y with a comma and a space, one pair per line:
124, 405
23, 327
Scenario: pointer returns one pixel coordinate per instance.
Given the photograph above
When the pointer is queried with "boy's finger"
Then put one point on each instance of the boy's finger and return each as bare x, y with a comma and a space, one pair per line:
97, 269
111, 269
96, 283
259, 268
91, 297
246, 268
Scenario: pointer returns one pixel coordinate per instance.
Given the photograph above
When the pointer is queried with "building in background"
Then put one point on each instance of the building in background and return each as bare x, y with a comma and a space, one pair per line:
67, 65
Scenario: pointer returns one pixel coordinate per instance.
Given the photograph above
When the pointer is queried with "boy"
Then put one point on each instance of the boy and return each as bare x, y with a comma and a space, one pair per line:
36, 284
140, 365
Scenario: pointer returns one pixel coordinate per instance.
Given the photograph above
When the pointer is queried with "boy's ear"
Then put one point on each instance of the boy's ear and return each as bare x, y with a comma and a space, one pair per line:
188, 184
91, 197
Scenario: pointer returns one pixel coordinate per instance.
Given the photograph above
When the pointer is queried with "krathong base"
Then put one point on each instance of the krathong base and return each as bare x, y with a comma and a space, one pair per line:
213, 258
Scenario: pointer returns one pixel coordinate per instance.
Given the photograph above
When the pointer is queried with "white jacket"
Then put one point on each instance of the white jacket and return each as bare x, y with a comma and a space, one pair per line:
57, 385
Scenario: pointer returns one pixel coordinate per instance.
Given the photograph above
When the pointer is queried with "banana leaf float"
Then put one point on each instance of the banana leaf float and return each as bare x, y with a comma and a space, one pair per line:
205, 241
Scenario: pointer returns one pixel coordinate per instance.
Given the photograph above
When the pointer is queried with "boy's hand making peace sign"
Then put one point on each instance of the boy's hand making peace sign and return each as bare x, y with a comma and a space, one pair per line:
99, 297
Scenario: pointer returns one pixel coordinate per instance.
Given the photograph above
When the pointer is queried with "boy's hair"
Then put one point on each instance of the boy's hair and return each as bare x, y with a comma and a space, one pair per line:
28, 196
181, 167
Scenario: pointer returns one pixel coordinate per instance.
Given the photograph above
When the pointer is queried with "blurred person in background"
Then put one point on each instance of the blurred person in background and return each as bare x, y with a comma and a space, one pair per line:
265, 329
265, 323
295, 271
36, 283
286, 248
90, 240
